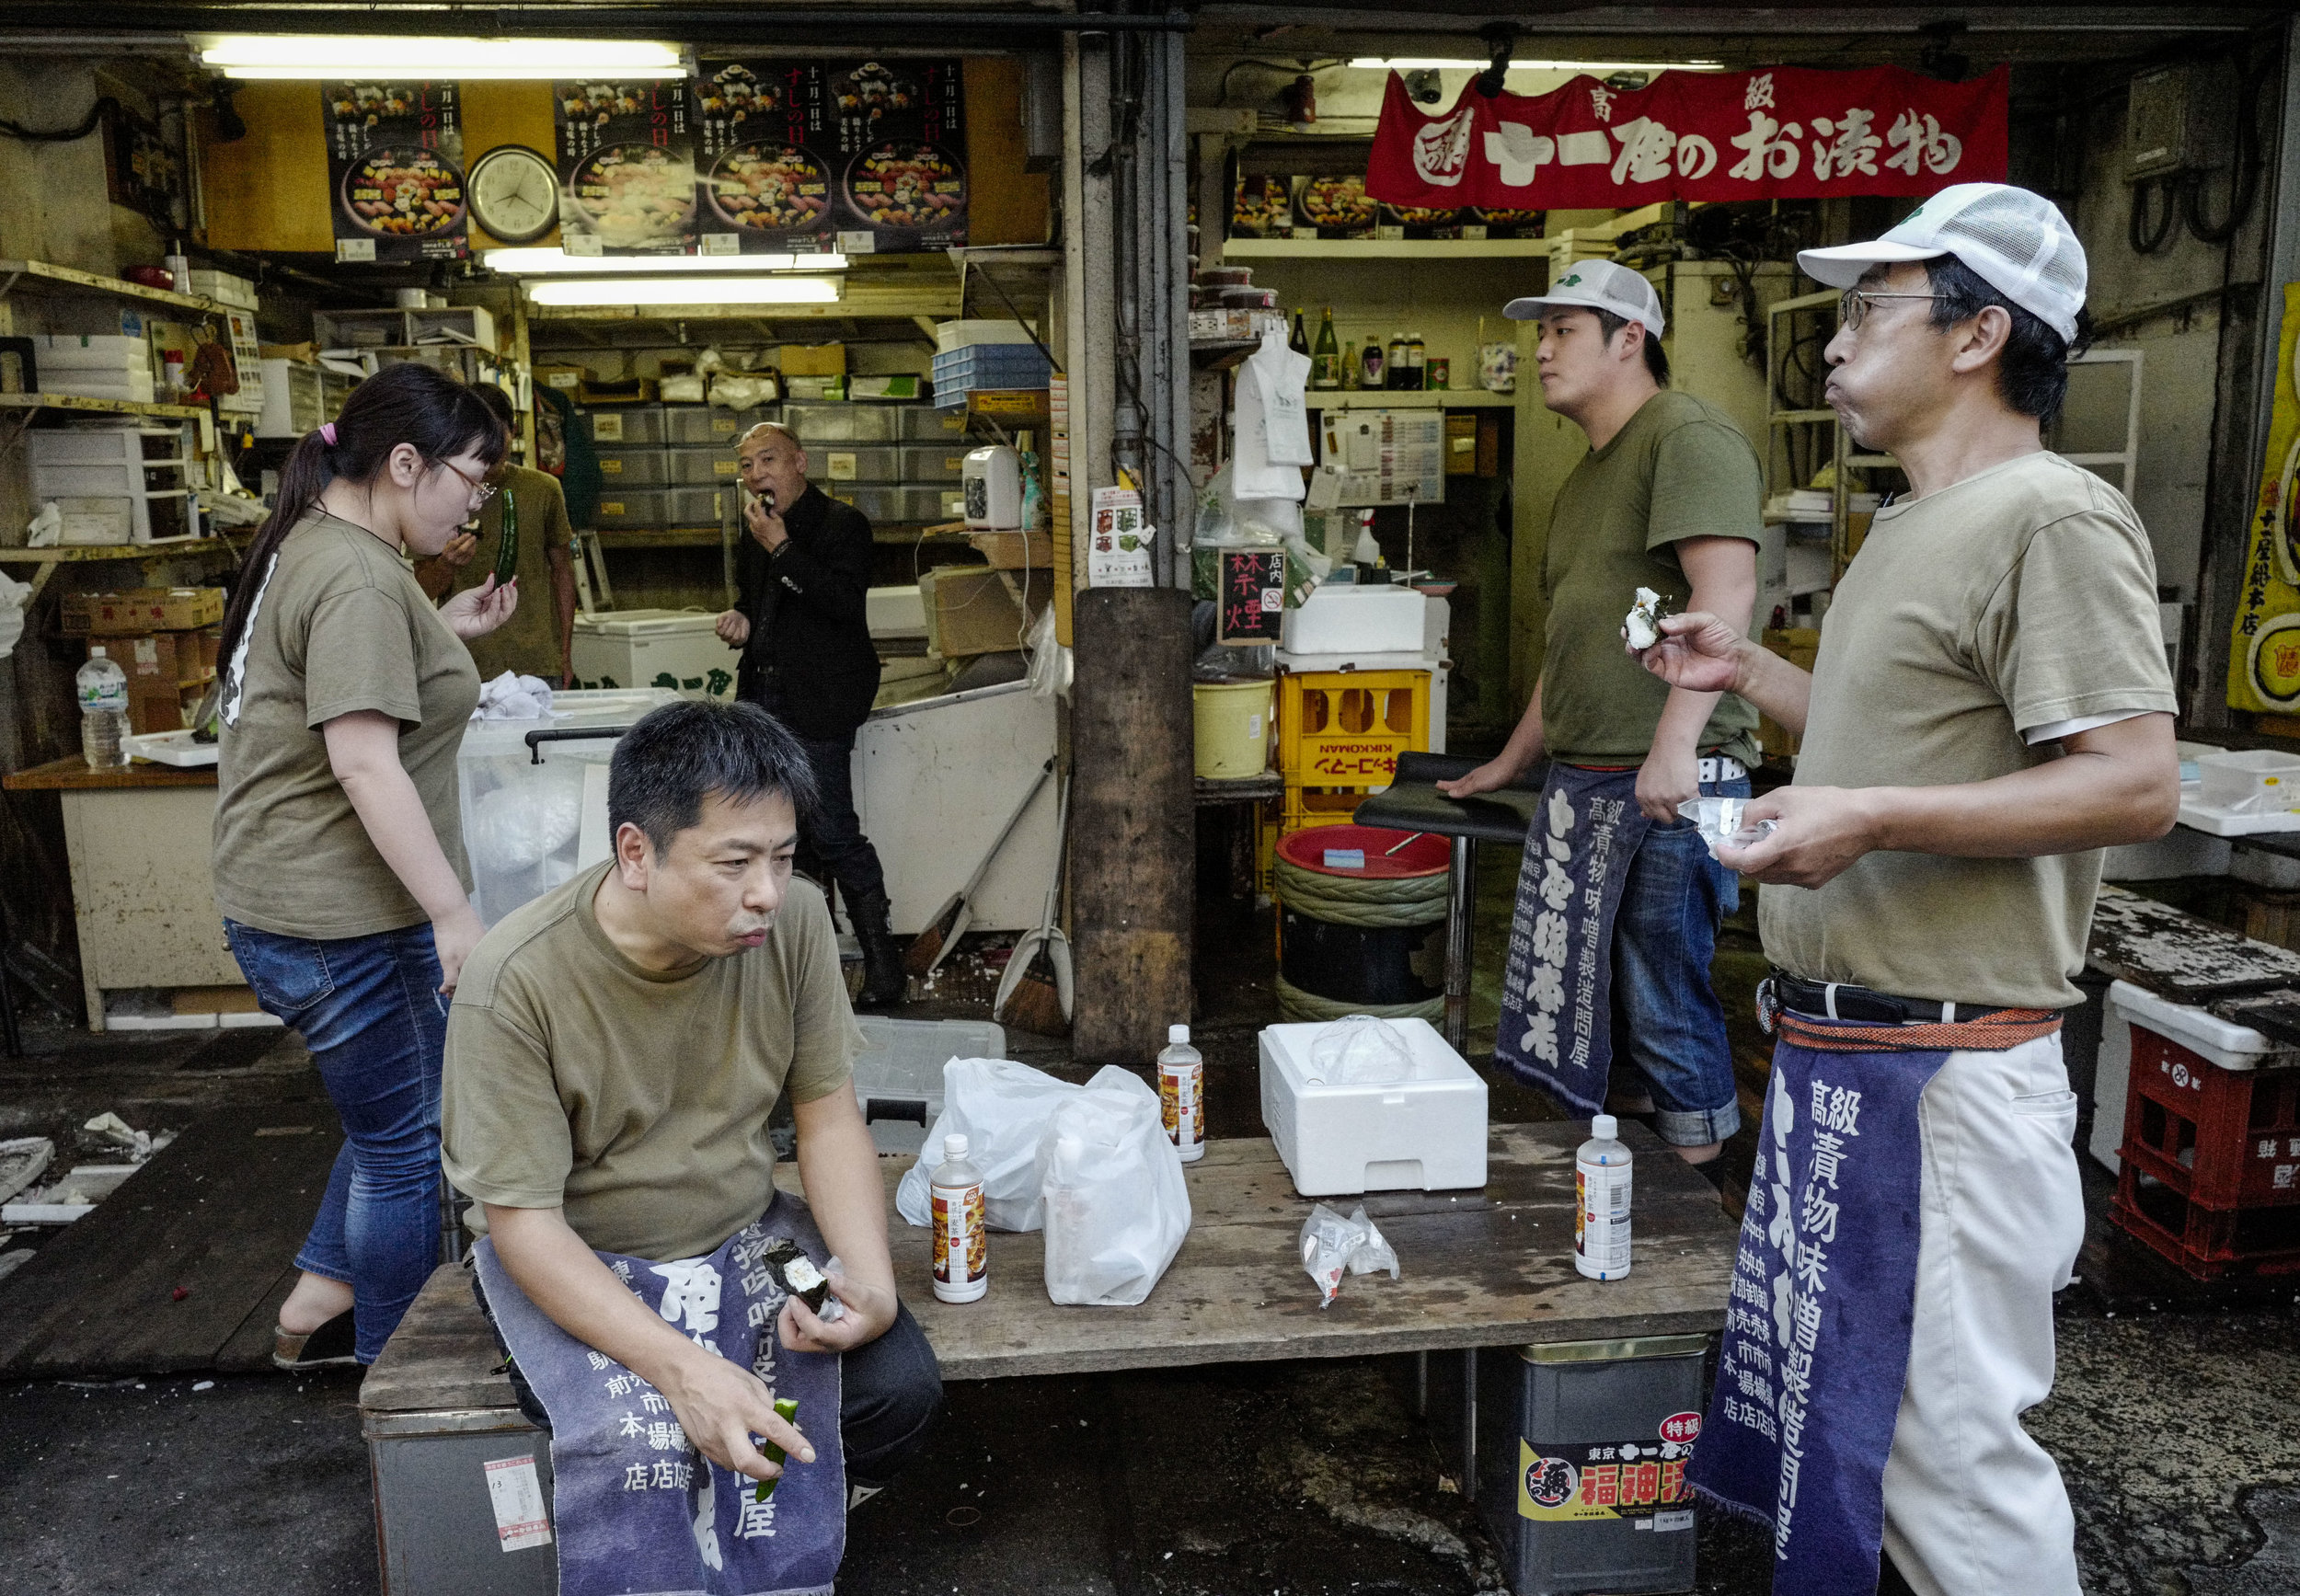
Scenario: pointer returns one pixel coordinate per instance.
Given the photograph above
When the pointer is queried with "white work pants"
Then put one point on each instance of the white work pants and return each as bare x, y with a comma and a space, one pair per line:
1973, 1507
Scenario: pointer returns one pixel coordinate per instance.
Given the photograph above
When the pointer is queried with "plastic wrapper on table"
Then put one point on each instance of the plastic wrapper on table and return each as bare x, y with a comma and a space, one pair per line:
1332, 1246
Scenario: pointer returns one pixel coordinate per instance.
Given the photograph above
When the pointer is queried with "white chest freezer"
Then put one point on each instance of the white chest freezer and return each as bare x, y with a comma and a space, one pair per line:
679, 649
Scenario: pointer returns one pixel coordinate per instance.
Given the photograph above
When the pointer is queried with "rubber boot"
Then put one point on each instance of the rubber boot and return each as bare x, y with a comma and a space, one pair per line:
885, 982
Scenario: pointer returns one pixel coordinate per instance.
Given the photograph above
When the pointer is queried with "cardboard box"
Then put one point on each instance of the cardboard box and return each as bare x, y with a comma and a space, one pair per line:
163, 659
812, 359
975, 610
133, 612
1015, 550
1461, 443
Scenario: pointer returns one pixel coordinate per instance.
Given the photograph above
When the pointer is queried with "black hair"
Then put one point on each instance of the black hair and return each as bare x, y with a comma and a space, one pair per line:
498, 403
677, 755
2032, 372
417, 405
1656, 356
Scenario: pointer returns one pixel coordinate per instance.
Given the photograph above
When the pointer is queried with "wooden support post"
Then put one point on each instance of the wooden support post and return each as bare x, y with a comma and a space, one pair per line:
1131, 818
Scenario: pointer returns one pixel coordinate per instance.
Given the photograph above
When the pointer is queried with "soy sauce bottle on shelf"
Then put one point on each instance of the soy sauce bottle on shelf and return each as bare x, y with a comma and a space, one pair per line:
1300, 342
1395, 368
1417, 363
1371, 371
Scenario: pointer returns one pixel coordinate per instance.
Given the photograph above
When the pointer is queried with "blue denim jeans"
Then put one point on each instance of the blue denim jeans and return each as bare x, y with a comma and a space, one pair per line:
369, 1009
1668, 1021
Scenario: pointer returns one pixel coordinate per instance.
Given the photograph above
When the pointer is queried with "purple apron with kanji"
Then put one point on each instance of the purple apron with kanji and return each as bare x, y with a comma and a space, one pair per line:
1556, 1029
637, 1510
1816, 1347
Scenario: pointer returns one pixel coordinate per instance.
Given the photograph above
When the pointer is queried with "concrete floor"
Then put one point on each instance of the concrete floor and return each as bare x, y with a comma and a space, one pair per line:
2176, 1430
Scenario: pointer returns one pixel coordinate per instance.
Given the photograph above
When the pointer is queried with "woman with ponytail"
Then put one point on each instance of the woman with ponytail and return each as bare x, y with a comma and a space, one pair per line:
339, 865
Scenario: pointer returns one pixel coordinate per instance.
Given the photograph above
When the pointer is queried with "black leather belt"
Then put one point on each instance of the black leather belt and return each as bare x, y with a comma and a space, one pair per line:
1837, 1001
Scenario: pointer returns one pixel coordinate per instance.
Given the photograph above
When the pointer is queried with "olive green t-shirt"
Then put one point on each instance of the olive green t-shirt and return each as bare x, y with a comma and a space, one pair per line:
637, 1101
339, 626
1679, 469
528, 642
2019, 599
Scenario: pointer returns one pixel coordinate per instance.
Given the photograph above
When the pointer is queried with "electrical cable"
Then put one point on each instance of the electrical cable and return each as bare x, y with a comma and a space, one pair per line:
61, 135
2144, 240
2243, 178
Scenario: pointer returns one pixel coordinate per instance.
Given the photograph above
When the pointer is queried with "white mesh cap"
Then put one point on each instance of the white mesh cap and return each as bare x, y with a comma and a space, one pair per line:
2019, 243
1598, 285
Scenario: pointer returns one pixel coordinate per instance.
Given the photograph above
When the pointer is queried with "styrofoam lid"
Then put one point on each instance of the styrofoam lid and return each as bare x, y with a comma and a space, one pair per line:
2190, 1026
958, 335
647, 623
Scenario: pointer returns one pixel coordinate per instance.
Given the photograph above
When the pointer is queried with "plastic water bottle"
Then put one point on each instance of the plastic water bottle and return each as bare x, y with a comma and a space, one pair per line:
103, 688
1600, 1210
961, 1238
1182, 1094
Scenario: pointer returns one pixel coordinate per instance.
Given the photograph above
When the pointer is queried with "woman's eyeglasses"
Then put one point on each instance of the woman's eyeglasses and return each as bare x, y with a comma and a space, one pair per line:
481, 490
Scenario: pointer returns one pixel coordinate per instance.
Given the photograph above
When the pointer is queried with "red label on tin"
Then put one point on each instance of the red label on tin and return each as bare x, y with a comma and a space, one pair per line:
1681, 1428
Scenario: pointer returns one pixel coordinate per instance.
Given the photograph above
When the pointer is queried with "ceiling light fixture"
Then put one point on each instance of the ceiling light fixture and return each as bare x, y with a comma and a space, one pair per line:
544, 262
1594, 68
370, 58
612, 291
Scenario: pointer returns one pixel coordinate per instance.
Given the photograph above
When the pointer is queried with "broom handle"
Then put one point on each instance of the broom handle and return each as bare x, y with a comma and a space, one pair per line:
1013, 821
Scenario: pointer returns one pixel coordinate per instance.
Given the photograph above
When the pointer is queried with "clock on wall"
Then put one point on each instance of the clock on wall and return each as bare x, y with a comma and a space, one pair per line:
514, 193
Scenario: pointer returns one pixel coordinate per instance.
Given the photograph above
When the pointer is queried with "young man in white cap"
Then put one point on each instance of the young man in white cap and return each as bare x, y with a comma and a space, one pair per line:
1618, 907
1990, 708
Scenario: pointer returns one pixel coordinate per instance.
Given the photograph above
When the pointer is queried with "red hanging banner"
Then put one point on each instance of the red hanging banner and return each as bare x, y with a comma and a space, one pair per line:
1785, 134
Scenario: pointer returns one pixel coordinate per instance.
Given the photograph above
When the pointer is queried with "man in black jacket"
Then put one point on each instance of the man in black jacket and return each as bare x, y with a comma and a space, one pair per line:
808, 661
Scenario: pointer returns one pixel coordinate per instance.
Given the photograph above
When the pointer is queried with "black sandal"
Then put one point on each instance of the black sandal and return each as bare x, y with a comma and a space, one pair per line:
331, 1346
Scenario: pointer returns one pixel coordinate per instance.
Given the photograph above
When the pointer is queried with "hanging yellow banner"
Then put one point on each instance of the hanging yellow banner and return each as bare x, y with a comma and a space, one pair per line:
2264, 653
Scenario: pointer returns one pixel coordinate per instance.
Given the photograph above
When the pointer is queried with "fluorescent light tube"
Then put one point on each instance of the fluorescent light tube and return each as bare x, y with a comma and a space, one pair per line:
370, 58
538, 262
1441, 63
704, 289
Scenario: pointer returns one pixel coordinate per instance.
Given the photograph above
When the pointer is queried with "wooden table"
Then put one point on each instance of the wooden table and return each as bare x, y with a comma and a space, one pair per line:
140, 841
1488, 1267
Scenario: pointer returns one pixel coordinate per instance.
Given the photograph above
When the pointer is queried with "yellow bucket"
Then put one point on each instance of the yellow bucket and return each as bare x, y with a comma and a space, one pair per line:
1233, 721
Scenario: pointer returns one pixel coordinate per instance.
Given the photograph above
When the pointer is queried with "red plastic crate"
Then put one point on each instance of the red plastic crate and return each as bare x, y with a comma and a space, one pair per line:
2203, 1241
2222, 1139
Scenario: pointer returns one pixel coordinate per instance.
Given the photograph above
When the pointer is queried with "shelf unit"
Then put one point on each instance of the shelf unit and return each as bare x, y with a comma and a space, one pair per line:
1408, 399
44, 277
99, 407
1381, 248
48, 559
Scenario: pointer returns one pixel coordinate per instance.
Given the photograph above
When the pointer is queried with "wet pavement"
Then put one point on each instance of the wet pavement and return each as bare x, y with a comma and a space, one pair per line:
2179, 1431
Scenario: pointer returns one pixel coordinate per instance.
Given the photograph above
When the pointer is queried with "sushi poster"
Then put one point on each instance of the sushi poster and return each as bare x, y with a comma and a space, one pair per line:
860, 157
2264, 652
395, 170
765, 181
627, 167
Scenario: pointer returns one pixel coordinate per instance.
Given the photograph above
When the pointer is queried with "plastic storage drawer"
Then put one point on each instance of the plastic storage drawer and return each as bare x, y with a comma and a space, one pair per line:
862, 463
819, 424
898, 506
632, 468
627, 424
691, 424
695, 506
696, 467
925, 424
641, 508
924, 462
987, 366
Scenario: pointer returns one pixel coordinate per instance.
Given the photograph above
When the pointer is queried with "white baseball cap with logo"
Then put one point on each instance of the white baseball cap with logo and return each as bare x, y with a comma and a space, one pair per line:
2016, 242
1597, 285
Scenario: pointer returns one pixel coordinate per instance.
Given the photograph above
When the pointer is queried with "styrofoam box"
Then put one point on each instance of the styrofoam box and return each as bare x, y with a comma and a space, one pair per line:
1419, 1135
898, 1076
1353, 620
895, 612
958, 335
2217, 1041
676, 649
2258, 773
91, 351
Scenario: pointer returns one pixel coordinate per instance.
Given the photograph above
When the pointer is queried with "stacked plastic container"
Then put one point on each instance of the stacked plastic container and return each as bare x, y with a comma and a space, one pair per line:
2210, 1160
898, 464
668, 466
985, 354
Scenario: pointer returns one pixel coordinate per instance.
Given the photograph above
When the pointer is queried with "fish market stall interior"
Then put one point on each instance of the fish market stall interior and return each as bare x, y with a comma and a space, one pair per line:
1232, 798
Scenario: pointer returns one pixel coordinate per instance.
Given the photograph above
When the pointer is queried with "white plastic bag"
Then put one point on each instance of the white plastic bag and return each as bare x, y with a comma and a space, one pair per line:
1360, 1051
1001, 1108
1332, 1245
1116, 1206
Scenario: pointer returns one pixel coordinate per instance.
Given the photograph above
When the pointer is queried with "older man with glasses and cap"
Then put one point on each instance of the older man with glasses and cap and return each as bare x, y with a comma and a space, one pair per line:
1989, 709
1619, 903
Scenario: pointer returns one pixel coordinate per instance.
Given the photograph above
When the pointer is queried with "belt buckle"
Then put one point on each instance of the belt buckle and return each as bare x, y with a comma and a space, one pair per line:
1769, 1005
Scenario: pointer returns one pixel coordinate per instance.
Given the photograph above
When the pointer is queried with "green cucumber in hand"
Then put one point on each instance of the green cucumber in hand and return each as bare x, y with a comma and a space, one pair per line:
788, 1411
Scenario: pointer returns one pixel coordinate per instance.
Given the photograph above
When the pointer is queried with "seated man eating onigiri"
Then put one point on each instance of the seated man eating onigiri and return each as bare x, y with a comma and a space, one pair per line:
614, 1053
